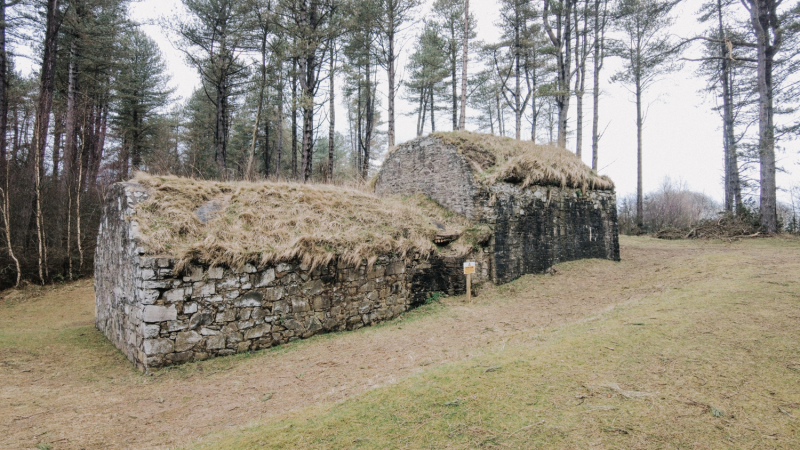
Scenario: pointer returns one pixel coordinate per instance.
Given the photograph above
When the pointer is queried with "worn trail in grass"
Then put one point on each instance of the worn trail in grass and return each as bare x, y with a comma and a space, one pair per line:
681, 345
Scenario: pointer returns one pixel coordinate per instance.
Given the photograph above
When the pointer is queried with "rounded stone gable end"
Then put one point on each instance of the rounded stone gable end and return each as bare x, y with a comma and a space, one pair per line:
431, 167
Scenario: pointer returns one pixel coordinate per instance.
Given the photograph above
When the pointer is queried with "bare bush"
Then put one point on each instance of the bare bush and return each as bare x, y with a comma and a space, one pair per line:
789, 213
672, 205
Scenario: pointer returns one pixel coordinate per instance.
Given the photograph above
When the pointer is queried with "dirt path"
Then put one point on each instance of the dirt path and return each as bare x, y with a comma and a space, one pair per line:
64, 385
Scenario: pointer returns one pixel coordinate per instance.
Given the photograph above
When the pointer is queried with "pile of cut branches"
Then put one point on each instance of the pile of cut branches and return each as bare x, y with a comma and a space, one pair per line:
726, 227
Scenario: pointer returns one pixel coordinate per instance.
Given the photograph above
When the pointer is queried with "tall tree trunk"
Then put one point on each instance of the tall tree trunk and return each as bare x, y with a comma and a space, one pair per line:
135, 148
4, 204
454, 74
368, 122
391, 76
58, 132
98, 144
534, 111
561, 40
308, 67
491, 119
69, 234
3, 91
465, 59
500, 127
332, 113
639, 192
15, 140
768, 39
78, 194
308, 136
4, 163
294, 118
69, 123
279, 152
267, 148
580, 73
43, 119
517, 85
433, 120
249, 173
732, 185
221, 131
359, 121
599, 55
421, 111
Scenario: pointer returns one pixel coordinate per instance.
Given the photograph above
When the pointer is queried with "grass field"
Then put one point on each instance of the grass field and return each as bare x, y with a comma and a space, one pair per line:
683, 344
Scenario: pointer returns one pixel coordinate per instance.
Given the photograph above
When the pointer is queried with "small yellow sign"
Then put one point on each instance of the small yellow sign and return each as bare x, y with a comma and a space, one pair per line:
469, 267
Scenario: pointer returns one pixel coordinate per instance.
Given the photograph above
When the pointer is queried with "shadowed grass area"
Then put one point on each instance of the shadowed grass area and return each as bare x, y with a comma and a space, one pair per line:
710, 359
48, 325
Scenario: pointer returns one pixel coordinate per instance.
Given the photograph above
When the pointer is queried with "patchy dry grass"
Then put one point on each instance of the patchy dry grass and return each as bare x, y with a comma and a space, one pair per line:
710, 359
264, 223
498, 158
682, 344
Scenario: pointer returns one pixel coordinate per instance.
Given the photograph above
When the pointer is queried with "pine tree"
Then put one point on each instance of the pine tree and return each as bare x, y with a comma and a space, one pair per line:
648, 52
212, 38
141, 95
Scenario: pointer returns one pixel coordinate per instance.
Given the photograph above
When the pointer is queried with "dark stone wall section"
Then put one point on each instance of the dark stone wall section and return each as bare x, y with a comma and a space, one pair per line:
531, 234
446, 275
534, 227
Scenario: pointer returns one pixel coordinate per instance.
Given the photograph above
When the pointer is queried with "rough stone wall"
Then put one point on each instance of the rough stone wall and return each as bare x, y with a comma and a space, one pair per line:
533, 228
446, 273
119, 303
158, 317
428, 166
537, 227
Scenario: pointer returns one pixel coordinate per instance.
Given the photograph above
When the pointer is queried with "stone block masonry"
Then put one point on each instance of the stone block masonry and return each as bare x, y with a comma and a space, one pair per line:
539, 226
158, 317
430, 167
533, 227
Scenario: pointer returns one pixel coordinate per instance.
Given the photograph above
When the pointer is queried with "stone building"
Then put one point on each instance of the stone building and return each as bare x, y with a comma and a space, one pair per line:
159, 315
512, 218
543, 205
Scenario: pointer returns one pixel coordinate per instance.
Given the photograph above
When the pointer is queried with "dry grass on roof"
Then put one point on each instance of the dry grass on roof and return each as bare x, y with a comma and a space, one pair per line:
265, 223
498, 158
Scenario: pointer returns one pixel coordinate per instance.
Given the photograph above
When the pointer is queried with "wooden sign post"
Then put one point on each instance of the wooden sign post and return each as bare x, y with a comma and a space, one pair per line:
469, 269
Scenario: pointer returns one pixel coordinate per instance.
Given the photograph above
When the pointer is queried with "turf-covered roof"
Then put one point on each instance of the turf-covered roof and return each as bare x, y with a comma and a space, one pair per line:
234, 223
496, 158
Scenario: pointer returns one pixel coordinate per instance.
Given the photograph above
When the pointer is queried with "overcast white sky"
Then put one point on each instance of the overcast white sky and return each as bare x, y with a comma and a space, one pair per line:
682, 137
